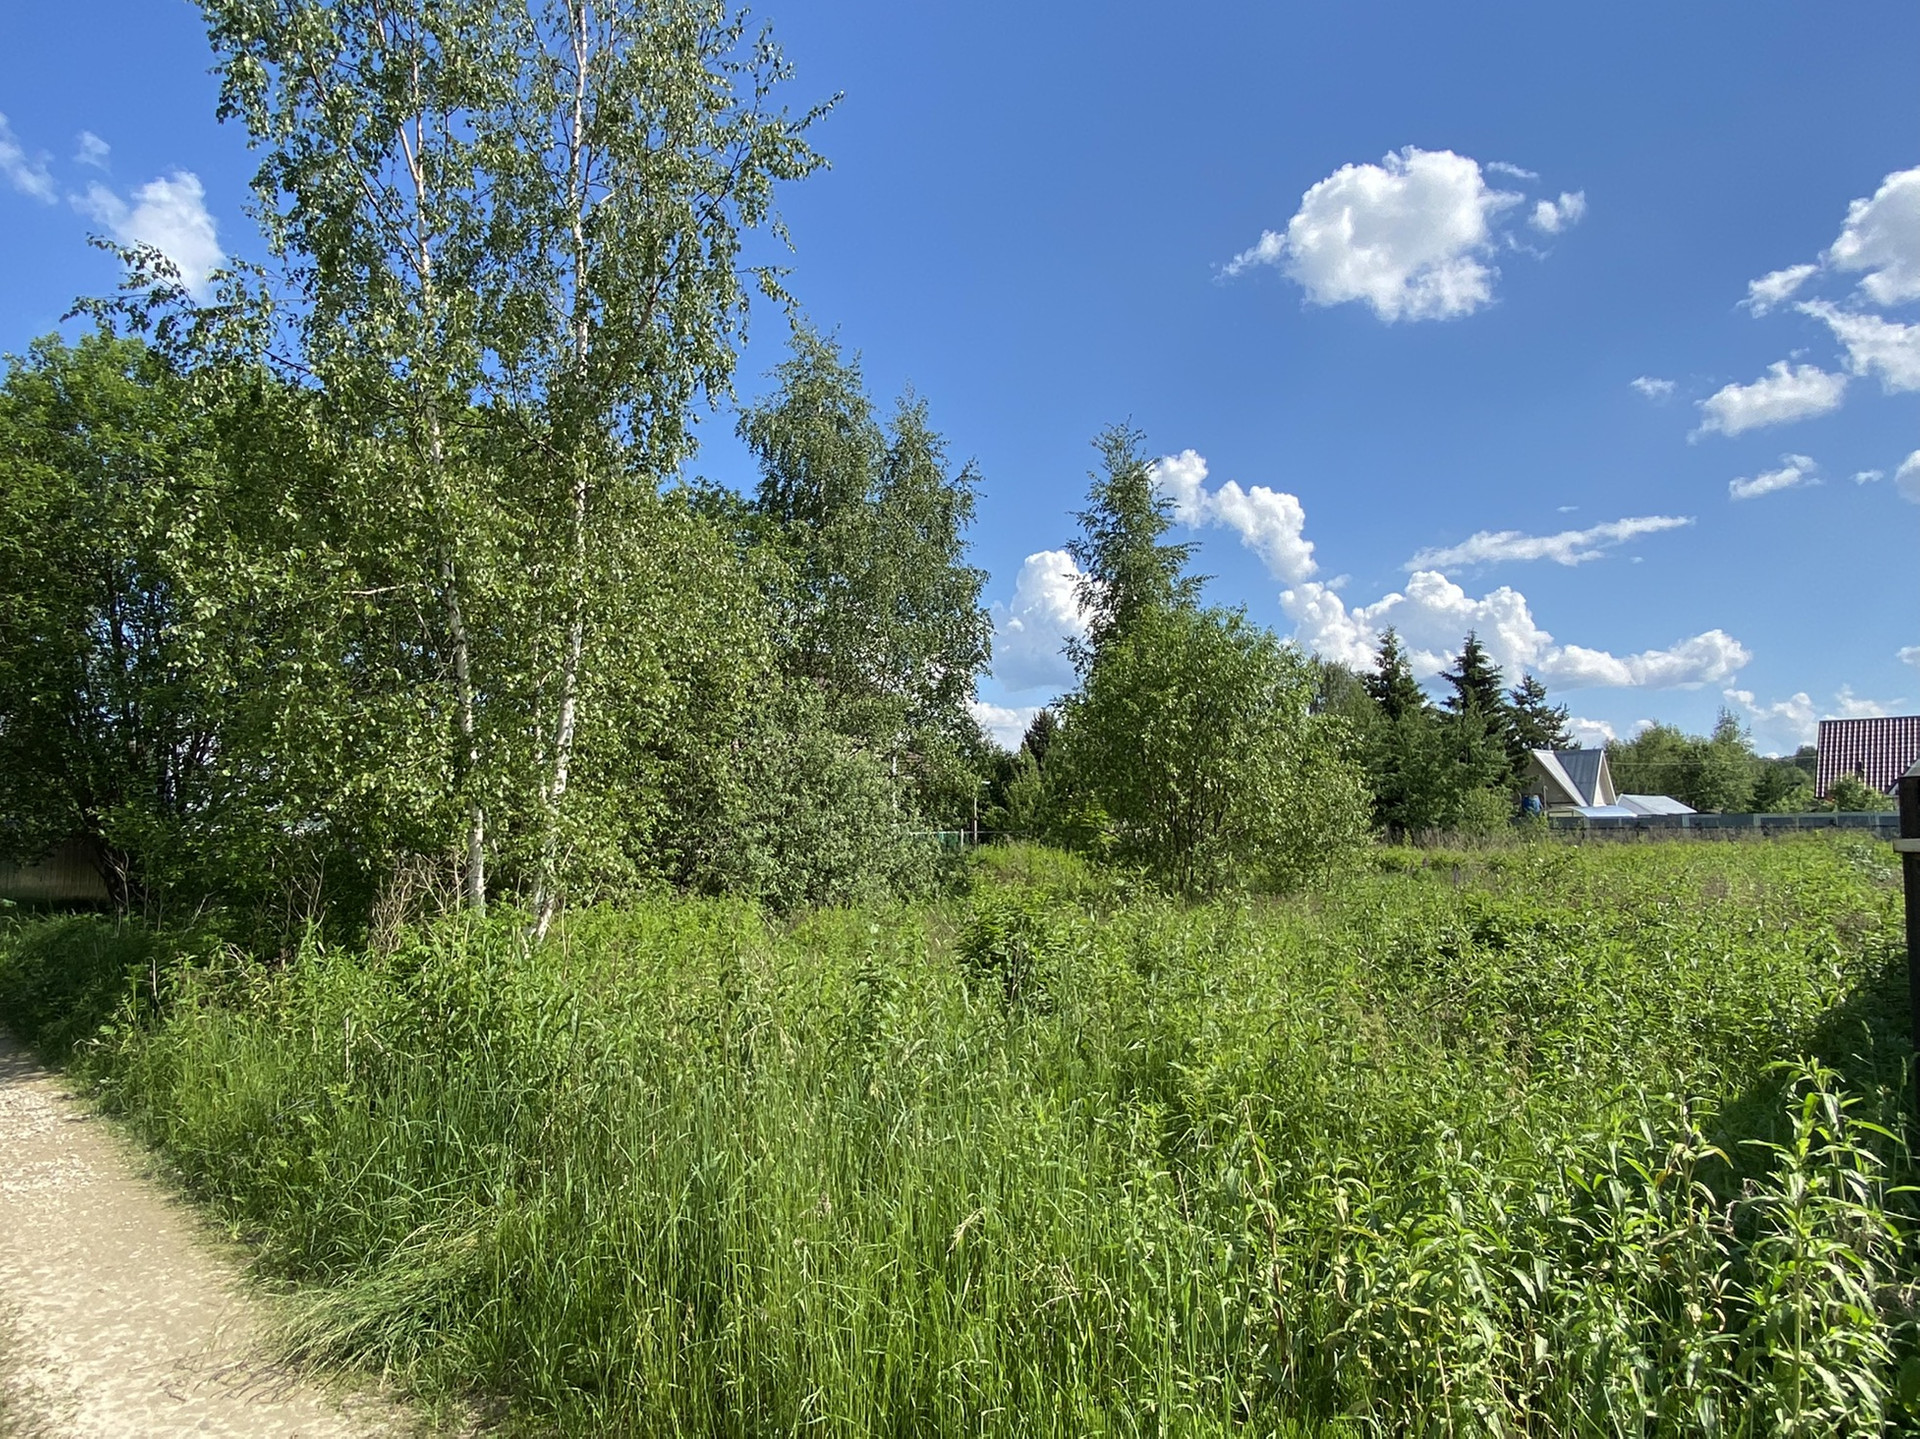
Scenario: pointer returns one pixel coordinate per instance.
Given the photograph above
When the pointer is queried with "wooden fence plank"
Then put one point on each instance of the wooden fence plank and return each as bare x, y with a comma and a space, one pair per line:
1910, 865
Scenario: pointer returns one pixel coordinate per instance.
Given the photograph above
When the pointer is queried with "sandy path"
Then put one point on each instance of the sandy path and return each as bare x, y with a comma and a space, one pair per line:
122, 1318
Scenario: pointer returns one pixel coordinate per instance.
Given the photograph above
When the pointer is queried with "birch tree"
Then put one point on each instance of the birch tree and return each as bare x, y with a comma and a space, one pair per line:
511, 233
643, 142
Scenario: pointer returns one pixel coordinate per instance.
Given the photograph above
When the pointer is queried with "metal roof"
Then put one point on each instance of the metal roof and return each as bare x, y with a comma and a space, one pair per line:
1582, 773
1875, 751
1654, 804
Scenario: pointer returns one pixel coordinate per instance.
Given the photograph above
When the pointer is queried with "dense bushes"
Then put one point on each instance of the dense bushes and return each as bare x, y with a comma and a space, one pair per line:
1193, 743
1466, 1144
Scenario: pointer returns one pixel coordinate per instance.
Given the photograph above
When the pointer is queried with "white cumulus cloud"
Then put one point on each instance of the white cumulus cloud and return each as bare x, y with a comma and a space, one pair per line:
1031, 630
1269, 522
1848, 705
1882, 237
1591, 733
1433, 614
1409, 238
26, 173
1550, 217
1875, 346
1569, 547
1006, 723
90, 149
1770, 290
1910, 656
1869, 477
170, 214
1794, 471
1786, 392
1795, 720
1653, 389
1907, 477
1705, 659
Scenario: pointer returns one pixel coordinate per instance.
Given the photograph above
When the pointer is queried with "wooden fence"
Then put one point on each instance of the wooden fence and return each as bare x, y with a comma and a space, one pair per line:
1909, 846
1722, 826
67, 876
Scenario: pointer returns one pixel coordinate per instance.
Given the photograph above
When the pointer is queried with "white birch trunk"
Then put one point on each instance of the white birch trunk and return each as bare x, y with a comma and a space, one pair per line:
547, 897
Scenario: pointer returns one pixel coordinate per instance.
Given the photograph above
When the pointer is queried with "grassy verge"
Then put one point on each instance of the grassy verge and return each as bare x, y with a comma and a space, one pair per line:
1543, 1140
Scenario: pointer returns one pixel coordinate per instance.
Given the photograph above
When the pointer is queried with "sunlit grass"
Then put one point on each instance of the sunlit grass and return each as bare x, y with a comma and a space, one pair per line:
1543, 1140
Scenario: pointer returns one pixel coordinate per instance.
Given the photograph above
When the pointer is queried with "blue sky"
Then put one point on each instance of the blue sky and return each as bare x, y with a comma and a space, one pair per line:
1572, 325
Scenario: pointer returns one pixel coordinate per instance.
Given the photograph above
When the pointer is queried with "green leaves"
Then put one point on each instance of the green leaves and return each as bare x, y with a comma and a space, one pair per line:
112, 659
511, 234
1126, 570
876, 606
1193, 735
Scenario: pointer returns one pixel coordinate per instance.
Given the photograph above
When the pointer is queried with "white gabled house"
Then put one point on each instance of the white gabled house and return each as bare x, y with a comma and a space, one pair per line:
1567, 779
1577, 781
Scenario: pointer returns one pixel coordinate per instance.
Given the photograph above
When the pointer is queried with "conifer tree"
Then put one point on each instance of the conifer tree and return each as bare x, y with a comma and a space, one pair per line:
1479, 718
878, 609
1476, 683
1126, 572
1534, 723
1392, 684
1041, 732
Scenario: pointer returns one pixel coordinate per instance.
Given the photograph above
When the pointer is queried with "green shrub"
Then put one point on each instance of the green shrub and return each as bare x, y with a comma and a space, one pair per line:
1484, 813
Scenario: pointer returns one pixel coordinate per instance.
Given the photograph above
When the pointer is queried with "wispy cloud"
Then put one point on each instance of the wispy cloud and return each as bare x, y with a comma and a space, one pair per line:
170, 214
1770, 290
91, 150
1907, 477
26, 173
1550, 217
1794, 471
1652, 388
1569, 547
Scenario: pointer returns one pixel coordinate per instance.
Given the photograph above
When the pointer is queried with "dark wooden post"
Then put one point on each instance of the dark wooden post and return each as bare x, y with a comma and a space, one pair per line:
1909, 846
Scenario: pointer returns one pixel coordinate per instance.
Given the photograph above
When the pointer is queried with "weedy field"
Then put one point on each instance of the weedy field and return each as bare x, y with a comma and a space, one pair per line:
1546, 1140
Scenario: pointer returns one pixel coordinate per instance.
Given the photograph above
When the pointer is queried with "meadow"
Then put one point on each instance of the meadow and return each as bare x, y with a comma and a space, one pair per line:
1529, 1140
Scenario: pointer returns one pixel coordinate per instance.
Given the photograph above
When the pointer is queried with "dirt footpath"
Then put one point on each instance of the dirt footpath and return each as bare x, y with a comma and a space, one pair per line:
121, 1316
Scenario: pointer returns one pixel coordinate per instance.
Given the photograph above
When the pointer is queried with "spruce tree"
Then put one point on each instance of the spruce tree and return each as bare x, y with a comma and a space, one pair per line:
1476, 684
1126, 572
1534, 723
1480, 719
1392, 684
879, 610
1041, 731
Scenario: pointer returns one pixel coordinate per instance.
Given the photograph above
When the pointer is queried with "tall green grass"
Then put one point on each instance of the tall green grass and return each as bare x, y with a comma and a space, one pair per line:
1540, 1141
